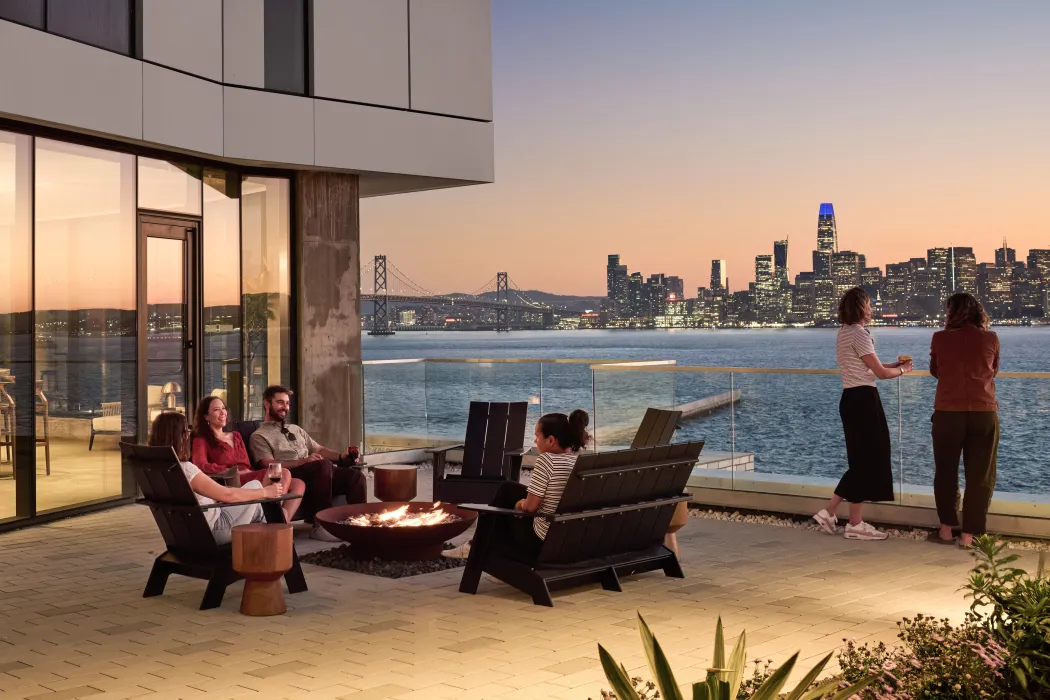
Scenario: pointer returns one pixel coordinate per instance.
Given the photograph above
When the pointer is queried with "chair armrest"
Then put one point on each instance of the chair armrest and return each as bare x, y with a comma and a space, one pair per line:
495, 510
521, 451
279, 499
448, 448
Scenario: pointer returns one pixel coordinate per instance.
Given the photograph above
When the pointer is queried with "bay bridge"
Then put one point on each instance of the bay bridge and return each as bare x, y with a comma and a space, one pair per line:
382, 283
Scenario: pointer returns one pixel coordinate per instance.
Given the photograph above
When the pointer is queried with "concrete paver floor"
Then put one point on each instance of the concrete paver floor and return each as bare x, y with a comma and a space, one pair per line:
73, 623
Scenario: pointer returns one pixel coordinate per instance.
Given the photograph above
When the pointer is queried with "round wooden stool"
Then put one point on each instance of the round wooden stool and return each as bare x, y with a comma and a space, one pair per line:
395, 482
262, 554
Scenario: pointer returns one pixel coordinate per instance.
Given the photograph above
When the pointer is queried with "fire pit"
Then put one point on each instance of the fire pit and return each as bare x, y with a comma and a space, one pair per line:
396, 531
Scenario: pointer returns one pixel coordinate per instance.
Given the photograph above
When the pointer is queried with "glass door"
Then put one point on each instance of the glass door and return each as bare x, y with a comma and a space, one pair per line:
168, 329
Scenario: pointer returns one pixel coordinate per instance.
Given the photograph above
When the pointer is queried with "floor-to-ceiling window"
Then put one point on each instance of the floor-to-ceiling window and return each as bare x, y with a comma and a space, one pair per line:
223, 375
85, 331
16, 305
266, 286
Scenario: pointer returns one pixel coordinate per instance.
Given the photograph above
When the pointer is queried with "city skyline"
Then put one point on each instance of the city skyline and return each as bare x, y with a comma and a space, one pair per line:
703, 130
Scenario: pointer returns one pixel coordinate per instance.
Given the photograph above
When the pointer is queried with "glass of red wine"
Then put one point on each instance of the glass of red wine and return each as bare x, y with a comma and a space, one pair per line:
273, 472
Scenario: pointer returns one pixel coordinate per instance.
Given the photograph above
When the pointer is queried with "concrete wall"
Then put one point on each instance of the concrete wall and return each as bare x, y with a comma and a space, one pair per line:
329, 317
402, 90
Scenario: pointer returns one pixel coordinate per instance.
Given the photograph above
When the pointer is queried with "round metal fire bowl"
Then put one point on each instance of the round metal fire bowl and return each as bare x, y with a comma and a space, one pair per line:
394, 543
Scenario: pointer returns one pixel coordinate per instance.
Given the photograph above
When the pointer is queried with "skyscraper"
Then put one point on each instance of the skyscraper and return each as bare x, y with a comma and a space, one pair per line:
718, 274
780, 258
964, 270
1005, 257
845, 271
764, 288
827, 235
610, 276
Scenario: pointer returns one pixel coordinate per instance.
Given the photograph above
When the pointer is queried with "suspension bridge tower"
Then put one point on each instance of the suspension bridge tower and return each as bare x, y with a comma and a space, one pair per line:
380, 319
502, 297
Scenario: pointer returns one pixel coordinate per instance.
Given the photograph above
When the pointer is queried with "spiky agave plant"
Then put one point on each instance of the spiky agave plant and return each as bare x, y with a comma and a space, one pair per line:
725, 675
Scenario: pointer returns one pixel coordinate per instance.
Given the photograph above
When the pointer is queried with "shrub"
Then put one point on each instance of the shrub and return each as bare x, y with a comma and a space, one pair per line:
1014, 609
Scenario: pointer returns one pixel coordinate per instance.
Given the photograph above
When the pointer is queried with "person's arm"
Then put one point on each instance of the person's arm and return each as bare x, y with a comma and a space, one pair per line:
207, 487
995, 360
933, 360
885, 371
529, 504
541, 477
321, 451
200, 457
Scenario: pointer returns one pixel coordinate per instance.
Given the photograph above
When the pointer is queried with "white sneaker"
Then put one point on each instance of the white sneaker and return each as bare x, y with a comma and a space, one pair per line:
321, 535
460, 552
864, 531
828, 522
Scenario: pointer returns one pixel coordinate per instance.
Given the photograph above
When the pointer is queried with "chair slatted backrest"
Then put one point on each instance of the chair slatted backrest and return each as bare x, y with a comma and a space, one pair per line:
612, 479
492, 429
167, 492
657, 428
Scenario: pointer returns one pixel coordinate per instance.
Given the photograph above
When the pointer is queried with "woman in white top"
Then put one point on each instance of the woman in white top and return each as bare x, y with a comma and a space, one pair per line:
170, 429
870, 473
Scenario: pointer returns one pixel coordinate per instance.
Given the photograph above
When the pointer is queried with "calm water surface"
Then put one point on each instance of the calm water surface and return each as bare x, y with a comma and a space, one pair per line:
790, 422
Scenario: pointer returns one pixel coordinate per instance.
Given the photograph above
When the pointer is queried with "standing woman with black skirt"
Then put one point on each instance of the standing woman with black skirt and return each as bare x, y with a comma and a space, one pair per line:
870, 473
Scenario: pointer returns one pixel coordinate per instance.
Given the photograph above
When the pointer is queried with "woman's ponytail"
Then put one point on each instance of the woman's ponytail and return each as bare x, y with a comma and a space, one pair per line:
570, 431
578, 422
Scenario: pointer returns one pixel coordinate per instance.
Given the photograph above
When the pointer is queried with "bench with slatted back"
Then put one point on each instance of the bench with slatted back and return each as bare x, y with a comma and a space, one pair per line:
492, 453
191, 546
657, 428
610, 523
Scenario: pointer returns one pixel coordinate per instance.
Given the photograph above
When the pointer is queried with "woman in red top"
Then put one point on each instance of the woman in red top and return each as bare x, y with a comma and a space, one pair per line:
215, 450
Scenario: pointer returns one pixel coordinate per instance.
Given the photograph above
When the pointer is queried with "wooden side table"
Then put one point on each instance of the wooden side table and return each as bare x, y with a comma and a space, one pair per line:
394, 482
262, 554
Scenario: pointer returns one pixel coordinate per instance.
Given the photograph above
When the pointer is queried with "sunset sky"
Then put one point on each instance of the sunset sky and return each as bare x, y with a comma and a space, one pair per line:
678, 131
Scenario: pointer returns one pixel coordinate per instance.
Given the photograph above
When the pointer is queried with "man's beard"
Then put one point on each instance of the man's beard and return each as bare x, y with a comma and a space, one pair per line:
274, 418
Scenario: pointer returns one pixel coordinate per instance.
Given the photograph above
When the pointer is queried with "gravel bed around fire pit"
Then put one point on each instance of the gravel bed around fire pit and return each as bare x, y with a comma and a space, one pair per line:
339, 558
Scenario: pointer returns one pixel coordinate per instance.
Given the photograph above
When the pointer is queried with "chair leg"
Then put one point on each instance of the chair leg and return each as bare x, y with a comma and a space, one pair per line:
158, 578
216, 589
610, 581
294, 577
542, 594
672, 567
479, 551
91, 442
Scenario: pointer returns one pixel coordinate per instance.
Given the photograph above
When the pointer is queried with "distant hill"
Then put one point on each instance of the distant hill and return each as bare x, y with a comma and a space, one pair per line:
565, 301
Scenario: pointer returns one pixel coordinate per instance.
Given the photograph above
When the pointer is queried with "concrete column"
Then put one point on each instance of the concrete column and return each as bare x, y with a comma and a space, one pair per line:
329, 320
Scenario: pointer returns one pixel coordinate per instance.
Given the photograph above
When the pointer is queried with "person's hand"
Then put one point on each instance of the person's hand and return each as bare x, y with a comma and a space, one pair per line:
315, 457
272, 491
520, 505
906, 366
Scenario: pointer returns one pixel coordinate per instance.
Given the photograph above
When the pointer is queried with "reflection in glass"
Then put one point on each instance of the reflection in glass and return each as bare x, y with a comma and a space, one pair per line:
266, 286
166, 325
165, 186
222, 285
84, 287
16, 382
284, 45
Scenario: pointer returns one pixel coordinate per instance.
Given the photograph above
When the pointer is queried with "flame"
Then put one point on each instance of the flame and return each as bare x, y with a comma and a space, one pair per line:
400, 517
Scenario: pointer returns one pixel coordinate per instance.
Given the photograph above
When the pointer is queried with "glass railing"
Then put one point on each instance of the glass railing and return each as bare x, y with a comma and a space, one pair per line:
766, 430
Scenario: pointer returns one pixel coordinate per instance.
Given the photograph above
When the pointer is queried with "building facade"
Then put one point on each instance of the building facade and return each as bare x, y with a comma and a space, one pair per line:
179, 191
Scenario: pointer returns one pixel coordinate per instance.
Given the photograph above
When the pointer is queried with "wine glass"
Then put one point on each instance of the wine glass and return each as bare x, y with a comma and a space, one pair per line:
273, 472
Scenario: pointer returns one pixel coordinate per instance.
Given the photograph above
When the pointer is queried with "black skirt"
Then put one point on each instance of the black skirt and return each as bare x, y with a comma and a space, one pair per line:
868, 451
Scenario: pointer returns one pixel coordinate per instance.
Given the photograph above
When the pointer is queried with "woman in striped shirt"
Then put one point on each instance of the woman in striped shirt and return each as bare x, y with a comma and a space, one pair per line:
870, 474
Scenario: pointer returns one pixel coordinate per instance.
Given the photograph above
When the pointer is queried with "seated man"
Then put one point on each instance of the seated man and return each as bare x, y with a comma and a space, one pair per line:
287, 443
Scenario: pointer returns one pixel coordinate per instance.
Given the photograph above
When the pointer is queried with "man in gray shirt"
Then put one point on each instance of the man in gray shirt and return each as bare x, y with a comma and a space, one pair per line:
287, 443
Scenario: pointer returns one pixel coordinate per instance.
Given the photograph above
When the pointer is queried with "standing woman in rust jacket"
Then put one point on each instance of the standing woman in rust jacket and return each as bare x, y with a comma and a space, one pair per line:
964, 358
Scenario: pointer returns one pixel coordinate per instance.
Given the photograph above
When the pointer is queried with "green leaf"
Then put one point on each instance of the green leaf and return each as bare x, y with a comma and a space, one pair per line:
853, 689
796, 694
700, 692
617, 676
771, 688
662, 674
737, 665
719, 660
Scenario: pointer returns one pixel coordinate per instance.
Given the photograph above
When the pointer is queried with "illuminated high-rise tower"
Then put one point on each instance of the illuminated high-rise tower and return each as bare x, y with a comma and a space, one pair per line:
827, 236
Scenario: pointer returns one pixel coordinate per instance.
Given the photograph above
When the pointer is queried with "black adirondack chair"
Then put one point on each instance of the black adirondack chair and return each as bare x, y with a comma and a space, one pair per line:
611, 522
657, 428
191, 547
492, 453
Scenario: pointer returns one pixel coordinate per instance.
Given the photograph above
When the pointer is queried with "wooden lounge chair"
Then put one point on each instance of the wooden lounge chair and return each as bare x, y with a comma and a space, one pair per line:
492, 453
611, 522
191, 546
657, 428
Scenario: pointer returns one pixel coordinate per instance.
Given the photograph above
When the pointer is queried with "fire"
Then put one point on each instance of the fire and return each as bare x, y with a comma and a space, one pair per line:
400, 517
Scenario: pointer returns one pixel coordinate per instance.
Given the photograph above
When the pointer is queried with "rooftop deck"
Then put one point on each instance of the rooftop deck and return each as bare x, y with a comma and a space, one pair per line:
73, 624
